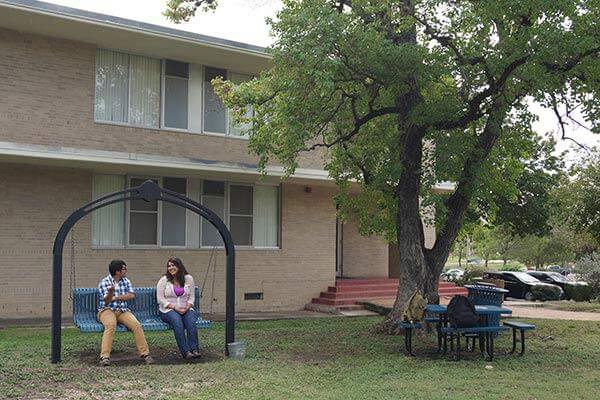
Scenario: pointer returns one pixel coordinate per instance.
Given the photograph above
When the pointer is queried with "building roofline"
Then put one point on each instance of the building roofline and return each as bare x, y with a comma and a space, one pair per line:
69, 13
15, 152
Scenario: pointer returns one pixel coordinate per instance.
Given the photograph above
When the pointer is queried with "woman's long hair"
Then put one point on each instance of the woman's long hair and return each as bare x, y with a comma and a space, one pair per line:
181, 271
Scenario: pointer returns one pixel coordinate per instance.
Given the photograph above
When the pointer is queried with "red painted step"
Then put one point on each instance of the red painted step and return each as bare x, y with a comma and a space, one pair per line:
347, 292
359, 295
361, 288
365, 281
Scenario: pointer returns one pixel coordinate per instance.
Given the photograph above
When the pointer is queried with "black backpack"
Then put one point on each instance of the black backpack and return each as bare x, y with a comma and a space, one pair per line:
461, 313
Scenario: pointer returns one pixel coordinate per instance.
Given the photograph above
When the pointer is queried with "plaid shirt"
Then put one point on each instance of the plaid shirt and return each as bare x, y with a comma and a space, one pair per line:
121, 288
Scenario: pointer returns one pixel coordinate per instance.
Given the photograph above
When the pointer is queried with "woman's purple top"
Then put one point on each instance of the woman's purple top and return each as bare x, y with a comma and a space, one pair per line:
178, 291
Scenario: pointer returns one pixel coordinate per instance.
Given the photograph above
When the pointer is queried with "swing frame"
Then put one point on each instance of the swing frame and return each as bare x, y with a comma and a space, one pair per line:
147, 191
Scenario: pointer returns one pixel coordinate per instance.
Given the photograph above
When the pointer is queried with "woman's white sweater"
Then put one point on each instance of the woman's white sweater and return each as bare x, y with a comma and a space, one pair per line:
165, 294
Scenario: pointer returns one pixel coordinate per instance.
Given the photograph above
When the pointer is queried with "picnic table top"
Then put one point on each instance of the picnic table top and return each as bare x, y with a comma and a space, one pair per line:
479, 309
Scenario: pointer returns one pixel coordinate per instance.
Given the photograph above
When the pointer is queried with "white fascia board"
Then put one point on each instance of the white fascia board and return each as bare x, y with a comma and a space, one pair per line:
445, 187
78, 157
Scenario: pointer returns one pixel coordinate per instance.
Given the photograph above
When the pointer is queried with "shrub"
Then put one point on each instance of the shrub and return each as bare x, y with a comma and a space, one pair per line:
579, 292
589, 269
512, 267
472, 272
546, 292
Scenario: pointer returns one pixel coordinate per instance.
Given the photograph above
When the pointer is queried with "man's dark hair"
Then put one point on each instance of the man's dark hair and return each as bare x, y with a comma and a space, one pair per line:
115, 266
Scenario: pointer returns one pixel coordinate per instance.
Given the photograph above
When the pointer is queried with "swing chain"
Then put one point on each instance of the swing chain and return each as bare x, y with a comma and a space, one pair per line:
212, 262
72, 272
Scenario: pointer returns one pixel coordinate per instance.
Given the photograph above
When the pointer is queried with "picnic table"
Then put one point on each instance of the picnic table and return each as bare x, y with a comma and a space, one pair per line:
486, 331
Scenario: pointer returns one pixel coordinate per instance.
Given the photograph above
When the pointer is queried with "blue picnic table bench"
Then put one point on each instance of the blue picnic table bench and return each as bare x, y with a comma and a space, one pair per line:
439, 314
485, 332
144, 307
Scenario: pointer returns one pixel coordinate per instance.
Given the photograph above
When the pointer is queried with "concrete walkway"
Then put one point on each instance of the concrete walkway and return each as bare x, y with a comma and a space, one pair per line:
541, 312
522, 309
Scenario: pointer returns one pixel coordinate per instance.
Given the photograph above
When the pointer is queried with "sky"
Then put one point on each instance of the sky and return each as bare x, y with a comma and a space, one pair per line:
244, 21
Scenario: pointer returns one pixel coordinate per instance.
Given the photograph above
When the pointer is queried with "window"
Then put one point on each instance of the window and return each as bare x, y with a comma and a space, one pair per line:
127, 89
251, 213
174, 216
241, 214
143, 218
266, 216
215, 115
240, 129
213, 197
108, 223
147, 219
176, 94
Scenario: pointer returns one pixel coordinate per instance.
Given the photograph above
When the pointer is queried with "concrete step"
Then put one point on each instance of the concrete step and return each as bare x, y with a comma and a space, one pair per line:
332, 309
346, 302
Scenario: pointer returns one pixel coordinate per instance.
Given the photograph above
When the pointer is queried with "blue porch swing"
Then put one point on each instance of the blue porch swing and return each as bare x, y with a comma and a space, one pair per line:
144, 306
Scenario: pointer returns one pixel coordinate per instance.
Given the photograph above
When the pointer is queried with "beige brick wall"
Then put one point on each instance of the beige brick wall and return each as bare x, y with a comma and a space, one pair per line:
47, 98
36, 200
363, 256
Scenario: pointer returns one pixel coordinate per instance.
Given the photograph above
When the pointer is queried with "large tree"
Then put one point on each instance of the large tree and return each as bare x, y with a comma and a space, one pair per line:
386, 87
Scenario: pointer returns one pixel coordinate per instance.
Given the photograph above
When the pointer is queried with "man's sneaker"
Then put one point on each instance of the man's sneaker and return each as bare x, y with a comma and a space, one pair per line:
148, 359
188, 355
104, 362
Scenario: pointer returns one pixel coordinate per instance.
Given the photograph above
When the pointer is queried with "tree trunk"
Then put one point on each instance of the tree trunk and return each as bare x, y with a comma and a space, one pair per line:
420, 268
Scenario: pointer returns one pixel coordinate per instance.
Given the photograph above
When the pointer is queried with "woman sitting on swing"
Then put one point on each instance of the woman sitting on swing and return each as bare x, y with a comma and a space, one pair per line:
175, 296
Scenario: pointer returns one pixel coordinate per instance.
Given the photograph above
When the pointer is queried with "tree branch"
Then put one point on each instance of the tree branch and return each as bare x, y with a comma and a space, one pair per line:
358, 123
458, 202
572, 63
474, 105
562, 123
448, 43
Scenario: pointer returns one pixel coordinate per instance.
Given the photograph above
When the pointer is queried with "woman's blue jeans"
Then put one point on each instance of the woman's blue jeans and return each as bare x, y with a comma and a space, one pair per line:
181, 324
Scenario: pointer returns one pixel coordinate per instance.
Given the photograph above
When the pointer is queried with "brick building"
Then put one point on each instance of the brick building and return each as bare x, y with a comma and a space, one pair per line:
91, 104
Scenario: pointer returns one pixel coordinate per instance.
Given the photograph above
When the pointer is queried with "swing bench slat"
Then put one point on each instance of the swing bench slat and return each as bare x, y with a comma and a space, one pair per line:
144, 307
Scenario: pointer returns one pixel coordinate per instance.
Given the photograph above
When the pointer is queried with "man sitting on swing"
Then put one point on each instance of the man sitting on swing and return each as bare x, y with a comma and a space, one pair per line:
114, 292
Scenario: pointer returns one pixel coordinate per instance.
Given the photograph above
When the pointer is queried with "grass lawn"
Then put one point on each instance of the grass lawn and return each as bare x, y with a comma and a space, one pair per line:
325, 358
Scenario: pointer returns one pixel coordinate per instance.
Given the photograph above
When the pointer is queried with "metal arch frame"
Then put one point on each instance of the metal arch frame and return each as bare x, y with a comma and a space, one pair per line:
147, 191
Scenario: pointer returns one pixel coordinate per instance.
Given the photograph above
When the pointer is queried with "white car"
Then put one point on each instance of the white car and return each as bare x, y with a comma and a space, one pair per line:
453, 274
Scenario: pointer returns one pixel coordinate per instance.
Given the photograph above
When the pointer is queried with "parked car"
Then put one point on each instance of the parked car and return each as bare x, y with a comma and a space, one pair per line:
555, 278
559, 269
521, 285
453, 274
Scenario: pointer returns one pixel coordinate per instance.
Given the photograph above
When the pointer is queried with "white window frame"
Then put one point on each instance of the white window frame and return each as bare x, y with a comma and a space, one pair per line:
128, 123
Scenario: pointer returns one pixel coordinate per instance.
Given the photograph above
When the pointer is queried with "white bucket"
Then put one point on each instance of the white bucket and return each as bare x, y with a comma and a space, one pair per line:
237, 350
